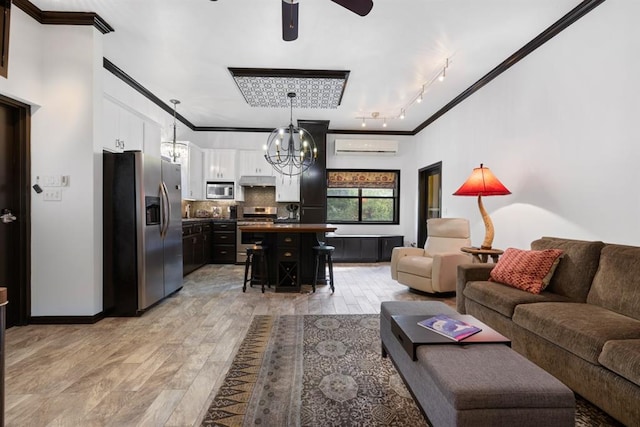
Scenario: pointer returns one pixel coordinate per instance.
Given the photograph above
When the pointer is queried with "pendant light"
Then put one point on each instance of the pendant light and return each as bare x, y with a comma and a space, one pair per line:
290, 150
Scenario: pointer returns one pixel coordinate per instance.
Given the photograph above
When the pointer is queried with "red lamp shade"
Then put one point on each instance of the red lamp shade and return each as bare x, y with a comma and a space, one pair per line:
482, 182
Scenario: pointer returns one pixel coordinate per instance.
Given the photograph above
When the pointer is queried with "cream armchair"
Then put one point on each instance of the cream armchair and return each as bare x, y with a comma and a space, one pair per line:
434, 268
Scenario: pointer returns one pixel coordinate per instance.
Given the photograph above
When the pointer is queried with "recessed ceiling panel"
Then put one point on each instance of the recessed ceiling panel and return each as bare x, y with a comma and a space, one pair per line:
268, 88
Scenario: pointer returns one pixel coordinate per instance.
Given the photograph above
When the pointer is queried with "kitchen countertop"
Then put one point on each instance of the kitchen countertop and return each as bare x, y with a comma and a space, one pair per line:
289, 228
189, 220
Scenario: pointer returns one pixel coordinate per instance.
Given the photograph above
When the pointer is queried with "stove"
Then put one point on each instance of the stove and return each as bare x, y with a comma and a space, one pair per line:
255, 215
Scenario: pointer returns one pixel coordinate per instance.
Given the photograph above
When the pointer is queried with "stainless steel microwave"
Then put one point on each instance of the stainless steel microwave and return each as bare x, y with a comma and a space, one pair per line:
220, 190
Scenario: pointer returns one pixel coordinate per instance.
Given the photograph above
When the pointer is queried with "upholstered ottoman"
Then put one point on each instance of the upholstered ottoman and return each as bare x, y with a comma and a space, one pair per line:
475, 385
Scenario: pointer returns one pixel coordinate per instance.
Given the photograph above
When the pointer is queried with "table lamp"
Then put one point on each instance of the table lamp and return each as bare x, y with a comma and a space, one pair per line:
483, 182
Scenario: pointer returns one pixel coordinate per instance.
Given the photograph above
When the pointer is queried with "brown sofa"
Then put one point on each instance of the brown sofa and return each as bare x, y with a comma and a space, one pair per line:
584, 328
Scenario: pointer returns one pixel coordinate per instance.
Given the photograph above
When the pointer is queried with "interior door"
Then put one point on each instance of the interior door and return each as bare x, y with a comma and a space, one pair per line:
14, 208
430, 198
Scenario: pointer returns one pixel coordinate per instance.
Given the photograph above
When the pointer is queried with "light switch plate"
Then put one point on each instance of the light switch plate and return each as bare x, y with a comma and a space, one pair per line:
52, 181
50, 195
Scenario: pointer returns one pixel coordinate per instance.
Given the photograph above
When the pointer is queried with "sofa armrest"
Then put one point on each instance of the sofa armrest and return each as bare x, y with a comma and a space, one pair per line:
443, 270
469, 273
400, 252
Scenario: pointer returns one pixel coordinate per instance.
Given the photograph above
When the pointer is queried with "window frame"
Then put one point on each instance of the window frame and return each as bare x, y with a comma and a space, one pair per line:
395, 198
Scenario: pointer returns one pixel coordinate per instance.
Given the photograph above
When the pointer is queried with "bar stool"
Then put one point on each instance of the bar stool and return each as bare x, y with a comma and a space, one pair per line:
324, 252
256, 256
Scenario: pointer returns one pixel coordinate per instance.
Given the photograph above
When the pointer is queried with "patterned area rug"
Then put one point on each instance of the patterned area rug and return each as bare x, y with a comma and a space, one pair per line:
323, 370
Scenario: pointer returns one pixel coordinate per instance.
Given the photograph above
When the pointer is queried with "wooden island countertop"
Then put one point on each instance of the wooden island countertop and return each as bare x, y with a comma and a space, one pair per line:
289, 228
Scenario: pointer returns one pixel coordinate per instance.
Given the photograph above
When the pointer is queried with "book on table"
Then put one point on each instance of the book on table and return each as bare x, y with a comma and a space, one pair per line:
449, 327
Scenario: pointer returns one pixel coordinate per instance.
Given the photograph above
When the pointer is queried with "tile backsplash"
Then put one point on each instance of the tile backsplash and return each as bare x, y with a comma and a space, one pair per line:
253, 196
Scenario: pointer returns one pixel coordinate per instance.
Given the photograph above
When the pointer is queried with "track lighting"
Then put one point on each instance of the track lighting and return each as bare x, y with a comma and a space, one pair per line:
440, 75
444, 71
364, 124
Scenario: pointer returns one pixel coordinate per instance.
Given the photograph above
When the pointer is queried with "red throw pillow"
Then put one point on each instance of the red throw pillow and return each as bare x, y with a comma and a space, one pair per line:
527, 270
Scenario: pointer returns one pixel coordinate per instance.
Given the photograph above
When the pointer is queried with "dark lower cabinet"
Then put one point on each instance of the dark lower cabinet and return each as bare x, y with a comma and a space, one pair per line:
193, 247
224, 243
288, 261
363, 248
187, 254
208, 242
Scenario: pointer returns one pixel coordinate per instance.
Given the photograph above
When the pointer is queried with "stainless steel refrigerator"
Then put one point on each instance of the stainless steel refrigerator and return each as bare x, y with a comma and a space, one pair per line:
142, 232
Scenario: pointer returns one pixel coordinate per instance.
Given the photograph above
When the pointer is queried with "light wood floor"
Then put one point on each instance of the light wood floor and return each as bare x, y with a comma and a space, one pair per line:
163, 368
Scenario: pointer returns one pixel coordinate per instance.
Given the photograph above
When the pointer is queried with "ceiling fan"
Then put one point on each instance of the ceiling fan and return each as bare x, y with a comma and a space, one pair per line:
290, 14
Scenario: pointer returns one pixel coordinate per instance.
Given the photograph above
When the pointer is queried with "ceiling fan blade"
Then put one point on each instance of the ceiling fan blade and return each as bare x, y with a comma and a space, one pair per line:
361, 7
289, 20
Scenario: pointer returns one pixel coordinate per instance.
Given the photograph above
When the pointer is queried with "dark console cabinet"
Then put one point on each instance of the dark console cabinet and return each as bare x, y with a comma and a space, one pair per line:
363, 248
386, 245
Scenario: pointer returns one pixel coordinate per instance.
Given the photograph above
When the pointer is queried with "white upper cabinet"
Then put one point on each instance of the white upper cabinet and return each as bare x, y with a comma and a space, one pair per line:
152, 138
122, 129
191, 159
219, 165
287, 188
196, 183
252, 162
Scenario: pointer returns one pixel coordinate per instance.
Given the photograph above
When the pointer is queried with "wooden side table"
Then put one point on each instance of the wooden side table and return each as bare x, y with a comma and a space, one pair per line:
482, 255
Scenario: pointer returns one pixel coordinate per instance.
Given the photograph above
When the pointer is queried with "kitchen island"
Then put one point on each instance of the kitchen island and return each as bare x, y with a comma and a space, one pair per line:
290, 257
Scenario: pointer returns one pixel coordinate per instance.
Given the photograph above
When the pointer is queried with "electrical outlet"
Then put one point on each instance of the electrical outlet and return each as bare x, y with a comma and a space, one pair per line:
52, 195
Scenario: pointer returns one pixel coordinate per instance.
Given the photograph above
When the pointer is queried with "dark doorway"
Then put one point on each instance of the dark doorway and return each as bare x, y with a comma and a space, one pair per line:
429, 198
14, 208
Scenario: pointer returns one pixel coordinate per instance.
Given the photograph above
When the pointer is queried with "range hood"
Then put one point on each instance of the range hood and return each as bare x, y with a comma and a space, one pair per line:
257, 181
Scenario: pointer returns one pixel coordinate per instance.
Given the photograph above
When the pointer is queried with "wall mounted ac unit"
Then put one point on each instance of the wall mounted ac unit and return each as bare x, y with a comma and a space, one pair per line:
365, 146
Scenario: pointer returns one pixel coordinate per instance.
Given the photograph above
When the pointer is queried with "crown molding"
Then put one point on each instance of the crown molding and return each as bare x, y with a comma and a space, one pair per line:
111, 67
563, 23
63, 18
372, 132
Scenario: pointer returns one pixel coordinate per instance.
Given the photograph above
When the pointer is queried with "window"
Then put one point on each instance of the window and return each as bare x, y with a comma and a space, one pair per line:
363, 196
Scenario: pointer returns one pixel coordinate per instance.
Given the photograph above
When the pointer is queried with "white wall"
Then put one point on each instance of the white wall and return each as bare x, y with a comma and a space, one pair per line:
560, 129
52, 68
408, 181
235, 140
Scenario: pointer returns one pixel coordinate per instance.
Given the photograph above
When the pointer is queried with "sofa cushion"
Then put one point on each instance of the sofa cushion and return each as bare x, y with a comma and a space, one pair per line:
581, 329
616, 285
526, 270
575, 272
504, 299
623, 358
